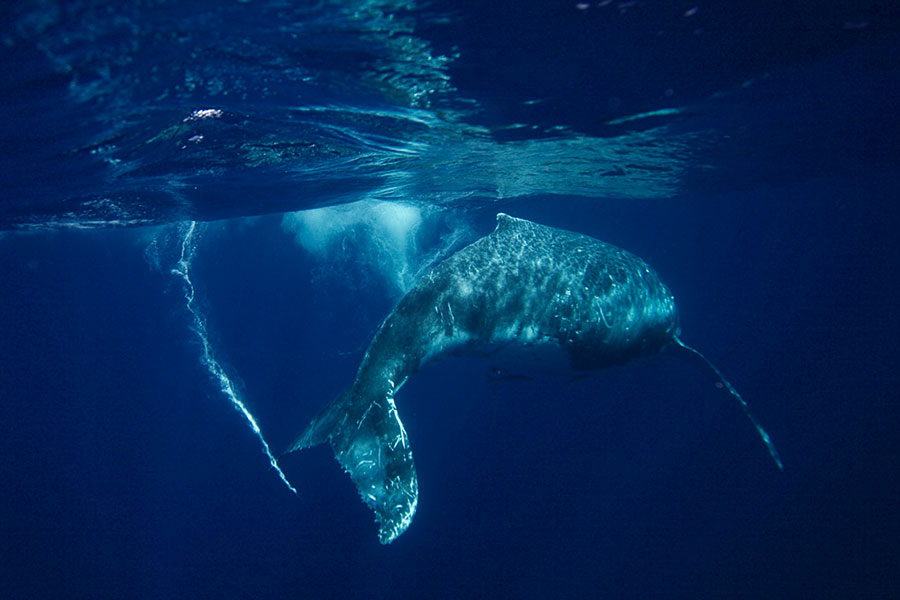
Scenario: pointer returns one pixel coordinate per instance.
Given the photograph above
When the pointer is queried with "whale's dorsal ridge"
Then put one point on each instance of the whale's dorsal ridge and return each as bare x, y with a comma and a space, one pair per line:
506, 222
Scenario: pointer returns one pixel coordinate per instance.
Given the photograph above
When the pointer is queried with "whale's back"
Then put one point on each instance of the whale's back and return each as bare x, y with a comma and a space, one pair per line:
531, 284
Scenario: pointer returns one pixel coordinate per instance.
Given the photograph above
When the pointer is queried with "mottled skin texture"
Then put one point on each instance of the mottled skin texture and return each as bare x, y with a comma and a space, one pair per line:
524, 285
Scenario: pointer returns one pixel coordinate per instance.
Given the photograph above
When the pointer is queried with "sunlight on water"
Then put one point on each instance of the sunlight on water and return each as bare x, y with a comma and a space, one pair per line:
247, 119
198, 326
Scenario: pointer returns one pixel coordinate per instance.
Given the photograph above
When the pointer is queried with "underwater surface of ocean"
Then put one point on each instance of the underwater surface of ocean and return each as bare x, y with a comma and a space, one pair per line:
208, 208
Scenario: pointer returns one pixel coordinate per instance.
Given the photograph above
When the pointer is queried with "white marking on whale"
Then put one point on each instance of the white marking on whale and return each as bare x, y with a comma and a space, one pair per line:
525, 290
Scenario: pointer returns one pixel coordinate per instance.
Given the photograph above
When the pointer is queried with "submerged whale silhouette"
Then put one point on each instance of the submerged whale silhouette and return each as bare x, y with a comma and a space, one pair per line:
524, 290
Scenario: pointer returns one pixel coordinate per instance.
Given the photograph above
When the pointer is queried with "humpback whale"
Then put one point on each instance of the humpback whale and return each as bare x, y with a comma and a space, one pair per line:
524, 290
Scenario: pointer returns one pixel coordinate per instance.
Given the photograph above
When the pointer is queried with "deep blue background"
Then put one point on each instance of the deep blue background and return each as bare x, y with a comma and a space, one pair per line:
127, 474
124, 472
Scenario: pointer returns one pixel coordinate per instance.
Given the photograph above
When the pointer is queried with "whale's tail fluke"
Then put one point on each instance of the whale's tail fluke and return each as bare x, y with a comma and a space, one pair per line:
370, 443
321, 427
716, 375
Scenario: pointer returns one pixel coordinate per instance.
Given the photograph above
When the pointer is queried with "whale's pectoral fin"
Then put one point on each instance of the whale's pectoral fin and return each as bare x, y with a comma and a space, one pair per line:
713, 372
370, 442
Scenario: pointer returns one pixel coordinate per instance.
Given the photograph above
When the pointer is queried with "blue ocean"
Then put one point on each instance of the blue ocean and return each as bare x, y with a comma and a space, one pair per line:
208, 209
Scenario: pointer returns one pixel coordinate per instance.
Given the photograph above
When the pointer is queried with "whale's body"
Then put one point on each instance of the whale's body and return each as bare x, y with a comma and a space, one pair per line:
525, 290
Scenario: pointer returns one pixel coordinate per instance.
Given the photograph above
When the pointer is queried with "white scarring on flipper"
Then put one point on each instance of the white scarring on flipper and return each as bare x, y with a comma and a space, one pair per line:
528, 287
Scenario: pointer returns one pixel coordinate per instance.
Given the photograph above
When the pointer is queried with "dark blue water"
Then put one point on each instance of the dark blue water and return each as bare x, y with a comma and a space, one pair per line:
747, 152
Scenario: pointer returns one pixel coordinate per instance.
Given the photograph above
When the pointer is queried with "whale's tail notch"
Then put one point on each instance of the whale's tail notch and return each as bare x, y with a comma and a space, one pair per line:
371, 444
710, 369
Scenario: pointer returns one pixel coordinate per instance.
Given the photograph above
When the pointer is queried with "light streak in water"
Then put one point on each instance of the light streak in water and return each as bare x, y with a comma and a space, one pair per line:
182, 270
